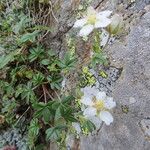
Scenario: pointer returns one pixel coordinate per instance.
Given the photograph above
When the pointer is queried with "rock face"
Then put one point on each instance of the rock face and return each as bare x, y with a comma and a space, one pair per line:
130, 130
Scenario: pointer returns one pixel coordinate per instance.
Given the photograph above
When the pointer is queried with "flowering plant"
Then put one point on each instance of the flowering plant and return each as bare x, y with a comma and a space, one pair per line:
98, 105
92, 21
34, 77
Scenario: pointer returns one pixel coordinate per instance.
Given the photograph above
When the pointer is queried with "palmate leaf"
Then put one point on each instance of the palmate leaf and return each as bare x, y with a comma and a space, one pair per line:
44, 110
29, 37
54, 133
36, 53
33, 132
28, 93
4, 60
67, 63
21, 24
64, 111
55, 81
99, 58
38, 78
34, 127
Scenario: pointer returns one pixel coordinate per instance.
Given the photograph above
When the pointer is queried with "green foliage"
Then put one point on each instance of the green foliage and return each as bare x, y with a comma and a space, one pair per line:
34, 75
87, 78
87, 127
55, 81
54, 133
28, 37
43, 110
36, 53
67, 63
4, 60
38, 78
98, 57
28, 93
33, 132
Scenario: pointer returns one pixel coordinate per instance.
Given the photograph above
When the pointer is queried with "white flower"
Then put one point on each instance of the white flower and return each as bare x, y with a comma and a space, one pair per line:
93, 20
77, 127
98, 106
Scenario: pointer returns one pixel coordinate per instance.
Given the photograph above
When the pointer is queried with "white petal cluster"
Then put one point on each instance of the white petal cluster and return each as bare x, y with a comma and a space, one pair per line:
98, 106
93, 20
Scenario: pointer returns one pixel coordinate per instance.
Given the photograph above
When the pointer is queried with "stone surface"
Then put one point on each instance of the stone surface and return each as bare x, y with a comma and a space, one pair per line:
130, 130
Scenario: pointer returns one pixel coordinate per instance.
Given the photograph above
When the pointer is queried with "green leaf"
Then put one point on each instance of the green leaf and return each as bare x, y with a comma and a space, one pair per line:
44, 110
45, 62
33, 132
28, 93
67, 63
55, 81
19, 90
4, 60
55, 105
46, 114
96, 45
99, 58
34, 127
21, 24
36, 53
51, 53
38, 78
29, 37
58, 113
88, 125
41, 28
54, 133
67, 99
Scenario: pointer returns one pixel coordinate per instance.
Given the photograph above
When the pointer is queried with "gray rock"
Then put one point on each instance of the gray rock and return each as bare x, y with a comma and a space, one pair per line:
129, 130
145, 126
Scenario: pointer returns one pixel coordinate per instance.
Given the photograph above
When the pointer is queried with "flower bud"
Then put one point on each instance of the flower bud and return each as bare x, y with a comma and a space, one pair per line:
116, 24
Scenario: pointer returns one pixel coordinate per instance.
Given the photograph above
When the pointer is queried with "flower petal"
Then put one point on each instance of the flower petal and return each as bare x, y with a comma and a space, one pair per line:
101, 96
106, 13
106, 117
109, 103
103, 22
90, 91
80, 23
96, 121
86, 30
91, 11
90, 111
87, 100
77, 127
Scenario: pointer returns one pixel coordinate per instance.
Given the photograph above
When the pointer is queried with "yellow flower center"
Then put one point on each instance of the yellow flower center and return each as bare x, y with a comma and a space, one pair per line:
98, 104
91, 19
